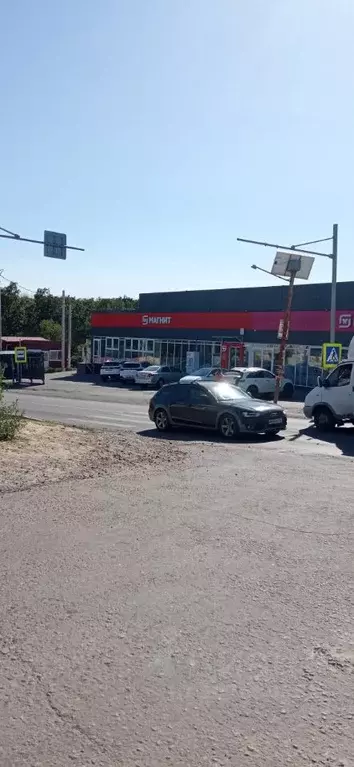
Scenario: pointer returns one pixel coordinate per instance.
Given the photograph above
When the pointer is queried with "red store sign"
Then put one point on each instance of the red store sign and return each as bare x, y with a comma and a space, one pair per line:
220, 321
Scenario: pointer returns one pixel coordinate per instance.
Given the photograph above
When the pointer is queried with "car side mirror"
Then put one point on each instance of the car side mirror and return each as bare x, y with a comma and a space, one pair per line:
326, 383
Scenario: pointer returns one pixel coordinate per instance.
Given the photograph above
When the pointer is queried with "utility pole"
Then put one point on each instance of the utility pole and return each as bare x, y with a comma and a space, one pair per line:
284, 337
63, 331
0, 314
70, 314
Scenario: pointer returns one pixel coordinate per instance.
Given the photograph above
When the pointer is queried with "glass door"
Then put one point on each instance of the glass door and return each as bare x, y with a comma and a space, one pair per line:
261, 357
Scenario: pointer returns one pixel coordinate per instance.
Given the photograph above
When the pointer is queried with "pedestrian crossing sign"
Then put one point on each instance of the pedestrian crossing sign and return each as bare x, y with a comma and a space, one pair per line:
331, 355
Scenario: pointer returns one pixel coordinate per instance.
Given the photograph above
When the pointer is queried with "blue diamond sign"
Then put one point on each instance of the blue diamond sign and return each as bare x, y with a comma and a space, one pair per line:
331, 355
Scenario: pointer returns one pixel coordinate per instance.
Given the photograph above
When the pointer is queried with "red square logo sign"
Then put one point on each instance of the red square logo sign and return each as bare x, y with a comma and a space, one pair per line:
345, 321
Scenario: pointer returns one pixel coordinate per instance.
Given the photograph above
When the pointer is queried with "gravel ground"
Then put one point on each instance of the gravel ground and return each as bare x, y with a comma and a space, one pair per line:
201, 615
44, 453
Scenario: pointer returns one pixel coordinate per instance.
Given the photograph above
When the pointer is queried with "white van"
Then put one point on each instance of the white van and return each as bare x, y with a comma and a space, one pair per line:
331, 402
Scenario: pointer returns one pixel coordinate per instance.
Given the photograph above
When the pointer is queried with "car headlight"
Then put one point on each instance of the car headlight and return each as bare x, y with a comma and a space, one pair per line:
250, 414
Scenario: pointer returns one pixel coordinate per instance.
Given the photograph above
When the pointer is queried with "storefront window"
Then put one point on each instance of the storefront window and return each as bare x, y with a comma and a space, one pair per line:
109, 343
314, 368
267, 359
206, 354
164, 353
170, 352
157, 351
215, 360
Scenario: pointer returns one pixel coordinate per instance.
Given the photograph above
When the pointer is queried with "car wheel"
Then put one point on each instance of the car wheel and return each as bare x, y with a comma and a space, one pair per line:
142, 386
104, 379
324, 419
228, 426
160, 383
161, 420
288, 391
253, 391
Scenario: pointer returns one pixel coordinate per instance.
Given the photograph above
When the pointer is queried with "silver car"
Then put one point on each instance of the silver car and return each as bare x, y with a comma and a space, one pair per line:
157, 376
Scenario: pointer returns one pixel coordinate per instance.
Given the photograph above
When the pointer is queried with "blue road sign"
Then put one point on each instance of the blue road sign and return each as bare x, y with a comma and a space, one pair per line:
55, 245
331, 355
21, 355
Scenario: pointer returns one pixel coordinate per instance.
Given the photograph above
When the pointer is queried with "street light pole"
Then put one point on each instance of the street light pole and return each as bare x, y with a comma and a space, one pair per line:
284, 338
333, 256
332, 336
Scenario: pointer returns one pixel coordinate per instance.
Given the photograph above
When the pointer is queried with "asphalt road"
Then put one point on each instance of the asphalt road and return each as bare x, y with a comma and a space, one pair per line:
197, 616
72, 402
200, 616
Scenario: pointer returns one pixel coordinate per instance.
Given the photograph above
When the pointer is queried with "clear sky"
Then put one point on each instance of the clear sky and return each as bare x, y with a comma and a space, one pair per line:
154, 132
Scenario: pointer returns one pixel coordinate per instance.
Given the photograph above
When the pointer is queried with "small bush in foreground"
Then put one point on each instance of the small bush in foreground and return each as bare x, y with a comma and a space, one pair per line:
11, 418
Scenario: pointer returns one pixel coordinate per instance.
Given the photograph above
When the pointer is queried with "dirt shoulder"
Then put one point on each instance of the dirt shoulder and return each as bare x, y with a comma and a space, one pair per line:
45, 453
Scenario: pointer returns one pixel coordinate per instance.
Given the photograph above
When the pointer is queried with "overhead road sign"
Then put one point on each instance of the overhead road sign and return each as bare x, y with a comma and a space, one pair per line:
55, 245
20, 355
331, 355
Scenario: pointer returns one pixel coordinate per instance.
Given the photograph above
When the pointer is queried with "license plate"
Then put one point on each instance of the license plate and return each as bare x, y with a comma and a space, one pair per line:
275, 420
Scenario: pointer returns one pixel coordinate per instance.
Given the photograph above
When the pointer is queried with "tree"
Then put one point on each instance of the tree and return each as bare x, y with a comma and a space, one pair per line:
41, 314
13, 312
50, 329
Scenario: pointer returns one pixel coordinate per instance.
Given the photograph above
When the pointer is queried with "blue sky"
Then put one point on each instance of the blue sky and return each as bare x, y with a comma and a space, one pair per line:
155, 132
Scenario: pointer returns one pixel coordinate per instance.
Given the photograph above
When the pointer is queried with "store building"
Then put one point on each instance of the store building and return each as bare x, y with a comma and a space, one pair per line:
228, 327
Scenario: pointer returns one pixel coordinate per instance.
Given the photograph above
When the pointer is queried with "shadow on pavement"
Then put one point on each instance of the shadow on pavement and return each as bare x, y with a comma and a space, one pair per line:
196, 435
342, 437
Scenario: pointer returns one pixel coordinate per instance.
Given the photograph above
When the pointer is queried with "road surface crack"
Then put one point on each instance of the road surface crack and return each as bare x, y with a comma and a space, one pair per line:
65, 717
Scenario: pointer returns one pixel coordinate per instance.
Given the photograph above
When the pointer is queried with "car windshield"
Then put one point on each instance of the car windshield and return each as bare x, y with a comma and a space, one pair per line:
225, 391
110, 364
152, 368
202, 372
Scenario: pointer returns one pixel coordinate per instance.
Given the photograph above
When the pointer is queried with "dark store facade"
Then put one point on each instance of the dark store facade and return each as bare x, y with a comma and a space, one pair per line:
228, 327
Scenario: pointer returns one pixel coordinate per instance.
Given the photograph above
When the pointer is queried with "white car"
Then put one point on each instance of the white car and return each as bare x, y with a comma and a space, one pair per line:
110, 370
210, 373
259, 382
129, 370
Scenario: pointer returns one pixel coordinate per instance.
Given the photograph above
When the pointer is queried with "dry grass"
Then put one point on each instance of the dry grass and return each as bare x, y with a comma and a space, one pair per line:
46, 452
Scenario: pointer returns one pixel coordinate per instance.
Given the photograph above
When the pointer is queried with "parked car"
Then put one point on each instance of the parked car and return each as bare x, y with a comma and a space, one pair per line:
157, 375
259, 382
130, 369
207, 373
110, 370
331, 402
214, 405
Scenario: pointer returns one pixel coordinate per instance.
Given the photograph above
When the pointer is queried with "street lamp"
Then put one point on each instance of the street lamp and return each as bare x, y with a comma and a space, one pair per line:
333, 256
254, 266
286, 263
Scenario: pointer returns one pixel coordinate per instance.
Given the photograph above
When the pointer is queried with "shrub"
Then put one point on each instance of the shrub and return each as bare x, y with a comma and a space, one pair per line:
11, 418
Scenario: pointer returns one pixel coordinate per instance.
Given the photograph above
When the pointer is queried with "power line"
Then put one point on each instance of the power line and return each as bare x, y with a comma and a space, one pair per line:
22, 287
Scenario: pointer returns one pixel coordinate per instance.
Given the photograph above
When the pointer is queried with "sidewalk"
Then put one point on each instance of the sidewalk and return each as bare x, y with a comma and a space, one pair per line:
293, 409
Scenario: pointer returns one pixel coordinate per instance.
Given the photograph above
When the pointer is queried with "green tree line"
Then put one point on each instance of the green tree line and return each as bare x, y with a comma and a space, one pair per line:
40, 314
